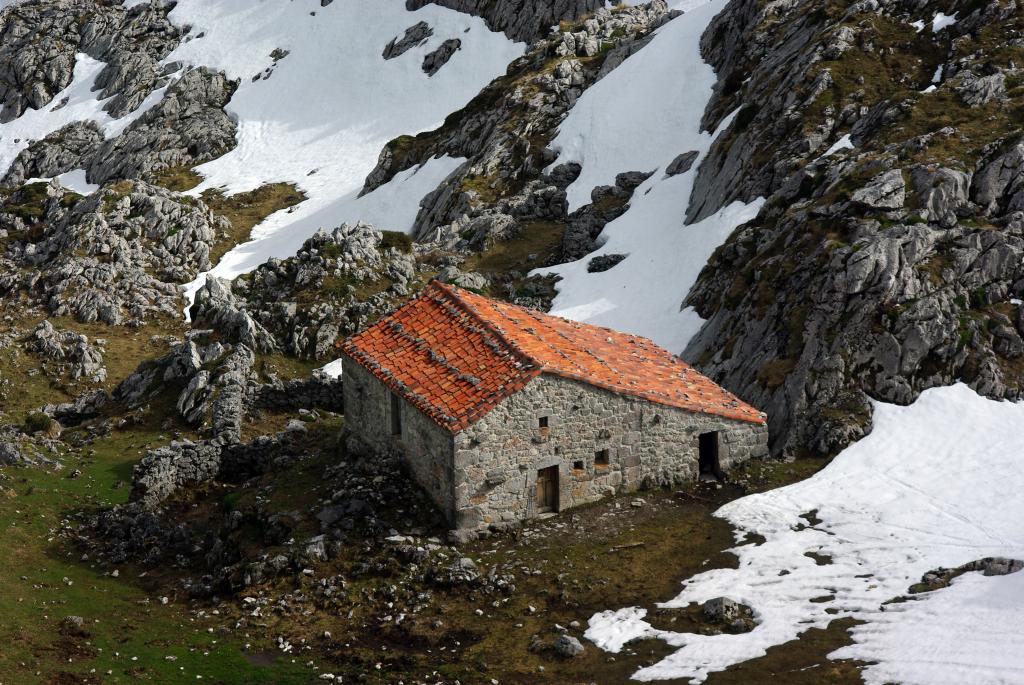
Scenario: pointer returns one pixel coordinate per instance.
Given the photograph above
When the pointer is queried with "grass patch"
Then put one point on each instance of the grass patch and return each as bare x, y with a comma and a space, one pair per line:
773, 374
245, 210
127, 634
177, 178
29, 204
539, 239
396, 239
25, 387
38, 422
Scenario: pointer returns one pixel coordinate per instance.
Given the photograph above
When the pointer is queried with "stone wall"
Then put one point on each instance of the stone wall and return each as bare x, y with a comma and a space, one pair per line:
318, 391
497, 459
427, 447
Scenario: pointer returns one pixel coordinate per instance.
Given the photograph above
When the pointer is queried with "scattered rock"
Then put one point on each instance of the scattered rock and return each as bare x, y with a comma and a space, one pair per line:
415, 35
433, 62
682, 163
567, 646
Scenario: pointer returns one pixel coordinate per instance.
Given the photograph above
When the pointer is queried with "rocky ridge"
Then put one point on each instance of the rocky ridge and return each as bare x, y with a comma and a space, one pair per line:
890, 265
40, 38
119, 255
336, 284
520, 20
187, 127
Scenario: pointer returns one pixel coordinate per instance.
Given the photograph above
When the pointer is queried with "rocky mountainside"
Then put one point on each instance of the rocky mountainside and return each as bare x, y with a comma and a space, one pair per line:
521, 20
818, 203
887, 258
884, 259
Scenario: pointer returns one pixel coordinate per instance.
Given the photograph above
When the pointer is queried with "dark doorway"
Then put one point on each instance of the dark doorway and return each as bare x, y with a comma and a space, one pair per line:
709, 466
547, 490
396, 415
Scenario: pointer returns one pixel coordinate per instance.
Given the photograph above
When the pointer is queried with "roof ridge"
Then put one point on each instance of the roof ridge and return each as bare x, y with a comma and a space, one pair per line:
522, 354
432, 355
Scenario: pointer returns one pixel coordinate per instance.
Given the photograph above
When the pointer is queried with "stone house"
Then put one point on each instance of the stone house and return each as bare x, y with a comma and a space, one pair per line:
504, 413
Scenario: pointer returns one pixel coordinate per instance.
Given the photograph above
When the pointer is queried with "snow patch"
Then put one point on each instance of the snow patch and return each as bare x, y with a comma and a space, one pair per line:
72, 180
935, 484
941, 21
843, 143
332, 369
639, 118
645, 112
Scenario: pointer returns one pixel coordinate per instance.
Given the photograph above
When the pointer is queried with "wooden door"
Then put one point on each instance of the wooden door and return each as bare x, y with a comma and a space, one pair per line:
547, 490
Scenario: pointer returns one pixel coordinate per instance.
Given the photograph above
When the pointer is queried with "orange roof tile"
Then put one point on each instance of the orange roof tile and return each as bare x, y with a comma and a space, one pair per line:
456, 355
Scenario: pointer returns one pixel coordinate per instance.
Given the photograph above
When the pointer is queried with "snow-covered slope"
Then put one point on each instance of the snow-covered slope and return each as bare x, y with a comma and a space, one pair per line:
639, 118
321, 117
318, 117
936, 484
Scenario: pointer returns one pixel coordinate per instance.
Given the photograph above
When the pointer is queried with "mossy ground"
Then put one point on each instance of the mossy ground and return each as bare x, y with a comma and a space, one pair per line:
26, 384
245, 210
128, 635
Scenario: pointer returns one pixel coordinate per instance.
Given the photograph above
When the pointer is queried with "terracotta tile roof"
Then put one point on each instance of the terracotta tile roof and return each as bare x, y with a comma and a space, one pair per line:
455, 355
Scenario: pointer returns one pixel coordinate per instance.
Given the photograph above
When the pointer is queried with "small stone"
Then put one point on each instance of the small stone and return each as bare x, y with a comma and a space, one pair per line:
568, 646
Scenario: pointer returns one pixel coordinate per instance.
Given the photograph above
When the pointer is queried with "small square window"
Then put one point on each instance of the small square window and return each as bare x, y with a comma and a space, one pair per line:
602, 458
578, 465
542, 422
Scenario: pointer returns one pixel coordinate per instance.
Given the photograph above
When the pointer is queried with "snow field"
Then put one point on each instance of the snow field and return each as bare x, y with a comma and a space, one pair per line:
936, 484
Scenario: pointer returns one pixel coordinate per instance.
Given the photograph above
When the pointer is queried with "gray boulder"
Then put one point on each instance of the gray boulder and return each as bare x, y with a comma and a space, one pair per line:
942, 193
998, 185
682, 163
885, 191
188, 127
567, 646
433, 62
417, 34
217, 307
165, 470
10, 455
976, 91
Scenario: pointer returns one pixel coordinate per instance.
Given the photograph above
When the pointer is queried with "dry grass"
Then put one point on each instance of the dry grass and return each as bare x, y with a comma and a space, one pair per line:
245, 210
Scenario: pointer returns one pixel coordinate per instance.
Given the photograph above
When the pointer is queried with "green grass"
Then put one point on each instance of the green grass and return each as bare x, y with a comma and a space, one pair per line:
396, 239
30, 205
130, 633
